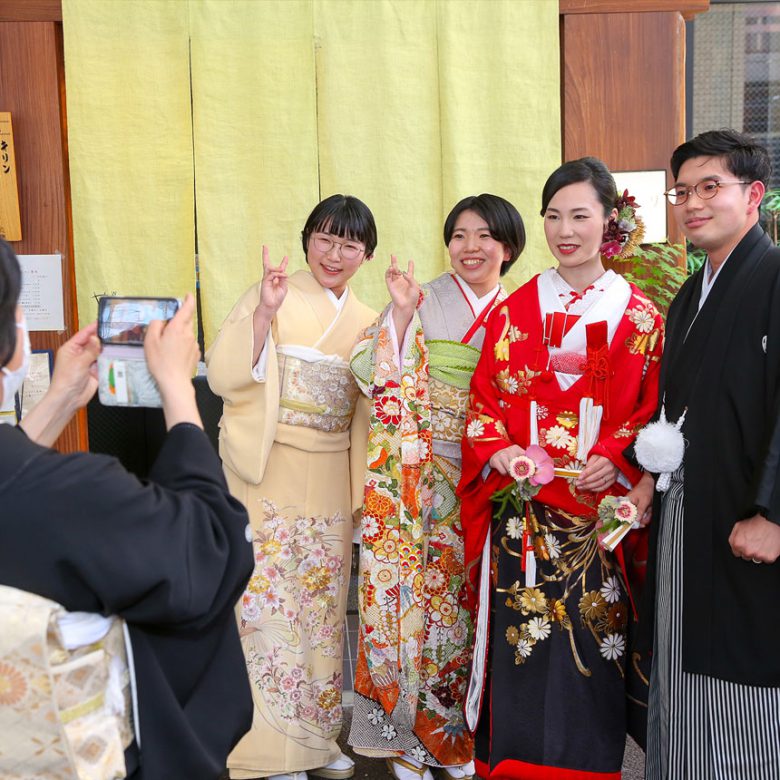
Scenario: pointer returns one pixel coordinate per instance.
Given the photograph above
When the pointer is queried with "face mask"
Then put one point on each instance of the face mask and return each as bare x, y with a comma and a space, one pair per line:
14, 379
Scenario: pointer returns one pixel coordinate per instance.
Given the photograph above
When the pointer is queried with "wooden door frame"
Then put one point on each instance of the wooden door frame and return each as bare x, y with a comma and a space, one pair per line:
35, 94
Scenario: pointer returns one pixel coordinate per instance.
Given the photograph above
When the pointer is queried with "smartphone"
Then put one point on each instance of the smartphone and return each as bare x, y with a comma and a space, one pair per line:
125, 320
123, 376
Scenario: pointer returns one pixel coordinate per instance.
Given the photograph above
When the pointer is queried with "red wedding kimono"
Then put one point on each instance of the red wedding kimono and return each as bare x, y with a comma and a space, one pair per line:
546, 697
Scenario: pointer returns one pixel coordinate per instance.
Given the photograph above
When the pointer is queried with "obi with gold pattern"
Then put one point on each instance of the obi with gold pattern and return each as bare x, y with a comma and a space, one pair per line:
448, 411
315, 393
65, 695
452, 365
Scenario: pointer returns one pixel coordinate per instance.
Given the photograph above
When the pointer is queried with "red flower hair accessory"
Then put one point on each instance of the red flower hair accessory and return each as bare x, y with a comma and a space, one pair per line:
623, 233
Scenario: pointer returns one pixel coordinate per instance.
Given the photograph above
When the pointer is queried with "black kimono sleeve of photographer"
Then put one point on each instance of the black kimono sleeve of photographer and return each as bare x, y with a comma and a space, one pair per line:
170, 556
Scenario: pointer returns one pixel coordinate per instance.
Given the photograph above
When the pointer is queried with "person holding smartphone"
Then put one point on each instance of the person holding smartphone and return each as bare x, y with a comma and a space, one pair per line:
169, 556
293, 442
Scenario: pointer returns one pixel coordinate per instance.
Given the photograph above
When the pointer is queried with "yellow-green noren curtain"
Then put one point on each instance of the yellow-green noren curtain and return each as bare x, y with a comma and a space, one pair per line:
500, 109
378, 120
254, 108
408, 104
130, 148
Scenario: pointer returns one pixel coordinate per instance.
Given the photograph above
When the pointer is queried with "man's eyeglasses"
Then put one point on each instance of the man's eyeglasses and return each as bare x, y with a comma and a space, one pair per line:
705, 189
347, 249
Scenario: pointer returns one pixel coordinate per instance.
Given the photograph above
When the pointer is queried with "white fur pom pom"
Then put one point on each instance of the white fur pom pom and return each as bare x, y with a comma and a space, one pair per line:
660, 447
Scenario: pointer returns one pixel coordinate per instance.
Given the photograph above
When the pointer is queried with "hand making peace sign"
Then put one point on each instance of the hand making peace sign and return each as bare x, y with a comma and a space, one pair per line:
273, 287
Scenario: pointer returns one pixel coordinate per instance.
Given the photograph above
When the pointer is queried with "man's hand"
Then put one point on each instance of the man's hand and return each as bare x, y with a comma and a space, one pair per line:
756, 539
642, 497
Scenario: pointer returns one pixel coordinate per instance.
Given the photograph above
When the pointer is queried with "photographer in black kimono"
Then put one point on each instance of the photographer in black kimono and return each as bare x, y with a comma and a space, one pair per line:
169, 556
713, 586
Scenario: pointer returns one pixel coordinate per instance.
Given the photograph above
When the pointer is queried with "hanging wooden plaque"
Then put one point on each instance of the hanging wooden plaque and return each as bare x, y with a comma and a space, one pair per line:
10, 223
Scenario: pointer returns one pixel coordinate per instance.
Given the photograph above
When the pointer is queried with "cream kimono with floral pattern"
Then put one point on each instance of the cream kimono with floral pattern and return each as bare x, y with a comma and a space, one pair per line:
293, 447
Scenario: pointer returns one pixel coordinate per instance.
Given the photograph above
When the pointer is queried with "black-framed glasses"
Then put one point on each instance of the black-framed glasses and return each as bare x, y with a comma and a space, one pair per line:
349, 250
705, 189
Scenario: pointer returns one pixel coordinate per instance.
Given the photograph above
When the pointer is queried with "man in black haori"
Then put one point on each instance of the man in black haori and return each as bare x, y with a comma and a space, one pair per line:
713, 596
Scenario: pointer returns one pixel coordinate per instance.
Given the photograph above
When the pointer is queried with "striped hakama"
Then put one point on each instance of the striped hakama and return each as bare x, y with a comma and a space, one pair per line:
699, 727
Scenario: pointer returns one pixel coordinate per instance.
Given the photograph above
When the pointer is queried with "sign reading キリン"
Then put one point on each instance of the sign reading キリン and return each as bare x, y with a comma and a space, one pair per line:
10, 223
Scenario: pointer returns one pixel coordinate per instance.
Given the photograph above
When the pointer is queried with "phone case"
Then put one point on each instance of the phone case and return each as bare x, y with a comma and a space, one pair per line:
124, 379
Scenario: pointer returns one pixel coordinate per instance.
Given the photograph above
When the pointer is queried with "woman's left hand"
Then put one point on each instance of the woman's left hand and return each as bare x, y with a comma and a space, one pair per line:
598, 475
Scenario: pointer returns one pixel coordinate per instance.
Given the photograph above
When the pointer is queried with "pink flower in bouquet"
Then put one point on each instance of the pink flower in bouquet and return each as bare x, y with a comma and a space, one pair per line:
521, 468
544, 467
625, 511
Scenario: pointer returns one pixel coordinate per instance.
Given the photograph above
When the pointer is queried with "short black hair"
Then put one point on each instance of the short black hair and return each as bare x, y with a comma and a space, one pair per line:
10, 290
345, 216
503, 219
589, 169
740, 154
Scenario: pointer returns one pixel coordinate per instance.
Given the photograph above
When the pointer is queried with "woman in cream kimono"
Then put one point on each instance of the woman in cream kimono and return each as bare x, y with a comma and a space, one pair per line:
415, 364
293, 445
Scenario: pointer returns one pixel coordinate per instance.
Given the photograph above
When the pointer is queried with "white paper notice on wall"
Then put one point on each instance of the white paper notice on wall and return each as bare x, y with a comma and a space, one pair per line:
41, 298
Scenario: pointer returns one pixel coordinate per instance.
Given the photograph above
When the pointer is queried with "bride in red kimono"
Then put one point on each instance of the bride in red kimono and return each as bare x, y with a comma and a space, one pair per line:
569, 364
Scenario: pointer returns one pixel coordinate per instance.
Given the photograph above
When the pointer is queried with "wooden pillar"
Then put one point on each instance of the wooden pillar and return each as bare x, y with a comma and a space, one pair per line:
623, 82
32, 88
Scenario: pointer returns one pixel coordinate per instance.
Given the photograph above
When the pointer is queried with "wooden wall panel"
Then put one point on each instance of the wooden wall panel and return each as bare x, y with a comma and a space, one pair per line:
32, 89
623, 93
30, 10
688, 8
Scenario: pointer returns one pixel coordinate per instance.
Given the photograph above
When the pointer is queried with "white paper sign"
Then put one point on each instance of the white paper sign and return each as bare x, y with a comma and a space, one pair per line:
648, 189
41, 298
37, 382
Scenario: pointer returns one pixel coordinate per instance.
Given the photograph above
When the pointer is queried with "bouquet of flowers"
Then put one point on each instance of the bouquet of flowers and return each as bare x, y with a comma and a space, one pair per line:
529, 472
617, 516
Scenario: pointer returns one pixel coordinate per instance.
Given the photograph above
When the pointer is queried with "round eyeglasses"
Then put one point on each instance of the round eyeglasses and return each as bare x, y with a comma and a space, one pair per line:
705, 189
347, 249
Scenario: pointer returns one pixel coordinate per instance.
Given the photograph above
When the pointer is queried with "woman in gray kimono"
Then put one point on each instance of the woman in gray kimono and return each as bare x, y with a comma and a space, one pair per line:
415, 364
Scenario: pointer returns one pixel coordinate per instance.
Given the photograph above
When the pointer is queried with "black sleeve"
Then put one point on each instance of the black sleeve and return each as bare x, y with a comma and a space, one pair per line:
767, 494
81, 530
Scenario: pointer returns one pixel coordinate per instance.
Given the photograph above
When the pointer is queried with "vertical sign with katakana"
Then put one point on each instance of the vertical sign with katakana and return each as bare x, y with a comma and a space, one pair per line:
10, 223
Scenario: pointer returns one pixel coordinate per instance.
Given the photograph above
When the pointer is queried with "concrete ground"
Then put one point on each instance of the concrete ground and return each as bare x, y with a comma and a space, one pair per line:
374, 769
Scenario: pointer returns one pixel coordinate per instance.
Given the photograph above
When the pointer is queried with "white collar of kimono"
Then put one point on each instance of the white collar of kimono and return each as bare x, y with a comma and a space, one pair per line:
335, 300
312, 354
477, 303
708, 283
614, 292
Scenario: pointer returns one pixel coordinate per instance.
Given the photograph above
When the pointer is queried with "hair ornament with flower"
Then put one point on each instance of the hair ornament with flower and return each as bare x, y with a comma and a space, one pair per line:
623, 233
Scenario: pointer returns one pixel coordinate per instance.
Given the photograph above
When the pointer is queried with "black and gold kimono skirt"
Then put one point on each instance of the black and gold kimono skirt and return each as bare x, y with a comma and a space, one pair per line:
554, 702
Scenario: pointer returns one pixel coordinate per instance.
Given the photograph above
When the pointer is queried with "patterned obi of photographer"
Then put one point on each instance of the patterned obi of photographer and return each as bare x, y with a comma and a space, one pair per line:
316, 390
